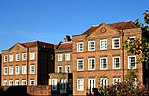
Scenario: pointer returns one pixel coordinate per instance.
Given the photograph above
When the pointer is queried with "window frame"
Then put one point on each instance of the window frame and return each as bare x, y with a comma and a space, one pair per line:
67, 57
32, 71
17, 82
23, 69
89, 68
90, 46
116, 80
60, 57
17, 70
78, 65
63, 85
113, 43
10, 82
54, 85
101, 65
23, 56
11, 58
32, 55
91, 84
67, 66
104, 80
105, 45
59, 69
11, 70
80, 84
114, 65
31, 82
5, 70
131, 38
5, 58
80, 47
17, 57
23, 82
5, 82
130, 67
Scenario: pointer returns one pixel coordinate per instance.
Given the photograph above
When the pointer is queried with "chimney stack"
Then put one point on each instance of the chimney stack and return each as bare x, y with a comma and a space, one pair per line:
67, 38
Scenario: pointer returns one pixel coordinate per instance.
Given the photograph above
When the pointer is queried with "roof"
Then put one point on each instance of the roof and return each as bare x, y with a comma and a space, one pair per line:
118, 25
37, 44
64, 45
90, 30
123, 25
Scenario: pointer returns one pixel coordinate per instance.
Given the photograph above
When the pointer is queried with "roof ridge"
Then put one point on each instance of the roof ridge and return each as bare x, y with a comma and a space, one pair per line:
121, 22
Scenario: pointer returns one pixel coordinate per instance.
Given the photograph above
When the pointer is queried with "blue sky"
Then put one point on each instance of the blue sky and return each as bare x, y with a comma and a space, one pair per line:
50, 20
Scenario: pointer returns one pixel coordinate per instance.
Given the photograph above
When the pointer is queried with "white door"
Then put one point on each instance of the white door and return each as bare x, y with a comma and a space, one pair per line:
63, 86
91, 84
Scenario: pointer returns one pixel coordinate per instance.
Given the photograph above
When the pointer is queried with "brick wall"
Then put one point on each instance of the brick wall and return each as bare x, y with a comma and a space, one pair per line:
109, 73
25, 90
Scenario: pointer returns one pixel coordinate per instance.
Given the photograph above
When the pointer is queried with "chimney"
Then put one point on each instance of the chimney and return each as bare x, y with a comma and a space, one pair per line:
67, 38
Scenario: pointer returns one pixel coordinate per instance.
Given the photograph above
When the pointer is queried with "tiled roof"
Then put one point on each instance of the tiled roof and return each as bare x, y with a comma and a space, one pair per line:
38, 44
64, 45
123, 25
119, 25
90, 30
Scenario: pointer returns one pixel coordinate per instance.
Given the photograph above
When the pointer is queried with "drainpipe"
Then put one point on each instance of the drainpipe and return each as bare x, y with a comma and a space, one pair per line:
27, 64
123, 54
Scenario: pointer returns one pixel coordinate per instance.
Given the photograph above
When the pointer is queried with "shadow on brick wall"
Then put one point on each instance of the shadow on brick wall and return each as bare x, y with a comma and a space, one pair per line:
13, 91
25, 90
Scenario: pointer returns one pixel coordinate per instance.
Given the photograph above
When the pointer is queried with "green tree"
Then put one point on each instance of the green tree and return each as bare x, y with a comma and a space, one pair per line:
130, 87
140, 46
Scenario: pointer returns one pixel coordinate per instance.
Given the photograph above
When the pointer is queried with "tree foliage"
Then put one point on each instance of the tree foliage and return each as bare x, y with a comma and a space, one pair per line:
129, 87
140, 46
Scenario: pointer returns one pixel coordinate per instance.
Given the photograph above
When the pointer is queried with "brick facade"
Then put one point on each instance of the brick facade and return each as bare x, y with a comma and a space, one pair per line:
27, 64
63, 66
92, 59
96, 33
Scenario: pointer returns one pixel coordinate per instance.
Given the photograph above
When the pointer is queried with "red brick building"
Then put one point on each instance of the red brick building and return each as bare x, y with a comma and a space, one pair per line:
99, 58
27, 64
61, 80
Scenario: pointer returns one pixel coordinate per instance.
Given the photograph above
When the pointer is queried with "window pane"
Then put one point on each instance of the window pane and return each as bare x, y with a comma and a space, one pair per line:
59, 69
5, 70
32, 56
11, 70
80, 65
80, 84
116, 62
60, 57
91, 63
132, 62
24, 69
17, 70
91, 45
116, 43
103, 63
17, 57
80, 47
6, 58
11, 57
32, 69
24, 56
54, 84
103, 44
